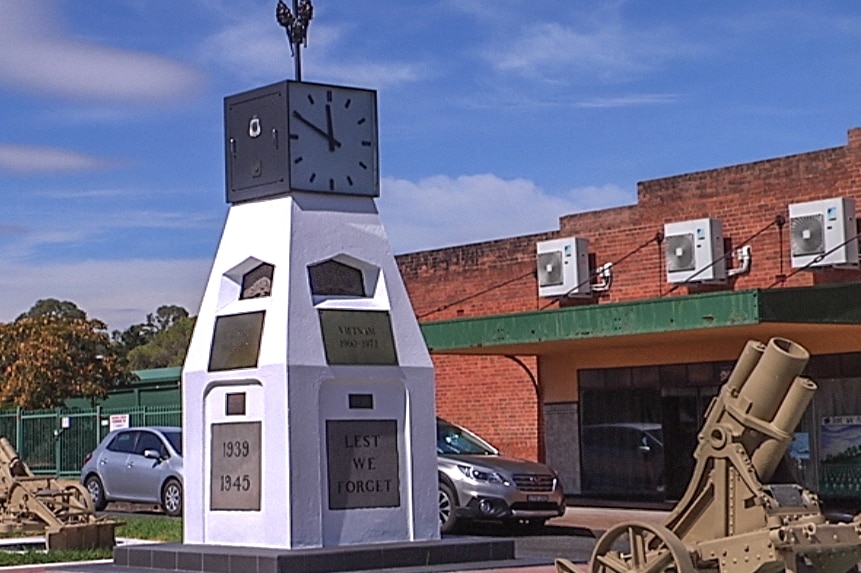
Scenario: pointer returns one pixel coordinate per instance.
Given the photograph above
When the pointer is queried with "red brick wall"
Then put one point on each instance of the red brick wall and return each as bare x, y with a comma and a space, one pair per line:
493, 395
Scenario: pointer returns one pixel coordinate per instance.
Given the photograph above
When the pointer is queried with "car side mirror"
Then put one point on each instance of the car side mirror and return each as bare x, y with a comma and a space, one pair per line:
152, 454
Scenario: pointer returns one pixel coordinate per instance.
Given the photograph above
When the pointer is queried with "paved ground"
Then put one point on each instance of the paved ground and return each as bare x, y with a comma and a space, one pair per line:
571, 536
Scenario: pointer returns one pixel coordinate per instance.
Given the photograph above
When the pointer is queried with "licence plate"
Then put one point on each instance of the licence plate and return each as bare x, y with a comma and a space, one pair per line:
536, 498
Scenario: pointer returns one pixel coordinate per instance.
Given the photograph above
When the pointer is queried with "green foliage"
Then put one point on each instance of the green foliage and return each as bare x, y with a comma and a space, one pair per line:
54, 308
163, 353
167, 348
48, 357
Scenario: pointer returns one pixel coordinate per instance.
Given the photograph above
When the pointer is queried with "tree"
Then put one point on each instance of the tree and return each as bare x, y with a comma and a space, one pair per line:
167, 348
47, 358
143, 333
55, 308
166, 316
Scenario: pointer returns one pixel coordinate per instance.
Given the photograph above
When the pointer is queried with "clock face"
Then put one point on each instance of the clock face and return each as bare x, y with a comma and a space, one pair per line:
333, 139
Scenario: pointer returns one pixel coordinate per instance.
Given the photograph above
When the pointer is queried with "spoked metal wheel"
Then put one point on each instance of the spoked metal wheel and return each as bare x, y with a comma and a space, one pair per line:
640, 548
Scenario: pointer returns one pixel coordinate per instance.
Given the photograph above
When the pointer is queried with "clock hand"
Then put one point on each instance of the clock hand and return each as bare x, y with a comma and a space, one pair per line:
332, 141
329, 128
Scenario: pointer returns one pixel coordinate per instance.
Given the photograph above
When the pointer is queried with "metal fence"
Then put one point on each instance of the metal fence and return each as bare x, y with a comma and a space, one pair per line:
54, 442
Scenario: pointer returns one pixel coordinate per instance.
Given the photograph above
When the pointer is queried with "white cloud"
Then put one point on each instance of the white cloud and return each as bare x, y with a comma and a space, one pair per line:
119, 293
629, 100
29, 159
37, 55
431, 213
442, 211
256, 55
558, 53
94, 226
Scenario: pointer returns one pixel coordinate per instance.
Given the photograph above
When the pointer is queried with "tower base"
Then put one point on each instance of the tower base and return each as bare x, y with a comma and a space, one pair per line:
230, 559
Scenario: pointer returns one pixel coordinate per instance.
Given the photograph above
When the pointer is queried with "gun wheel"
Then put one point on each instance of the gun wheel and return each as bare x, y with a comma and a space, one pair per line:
640, 548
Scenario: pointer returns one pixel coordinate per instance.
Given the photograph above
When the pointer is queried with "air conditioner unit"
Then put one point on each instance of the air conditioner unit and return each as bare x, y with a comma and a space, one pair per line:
820, 227
694, 251
563, 268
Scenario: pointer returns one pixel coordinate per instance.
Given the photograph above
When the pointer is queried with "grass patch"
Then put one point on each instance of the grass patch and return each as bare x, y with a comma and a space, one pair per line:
33, 557
151, 528
154, 528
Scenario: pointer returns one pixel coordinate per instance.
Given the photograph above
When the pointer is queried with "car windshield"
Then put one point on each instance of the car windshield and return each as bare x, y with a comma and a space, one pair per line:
175, 439
451, 439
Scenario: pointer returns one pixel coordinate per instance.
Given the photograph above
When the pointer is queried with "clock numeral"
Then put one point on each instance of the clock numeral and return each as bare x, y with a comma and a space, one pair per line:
313, 177
294, 136
298, 160
329, 95
362, 165
361, 121
331, 184
350, 180
366, 143
347, 103
311, 99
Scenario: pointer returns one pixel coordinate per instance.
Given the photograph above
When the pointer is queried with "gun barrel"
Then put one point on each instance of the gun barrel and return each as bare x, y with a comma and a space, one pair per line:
767, 456
7, 451
745, 364
768, 383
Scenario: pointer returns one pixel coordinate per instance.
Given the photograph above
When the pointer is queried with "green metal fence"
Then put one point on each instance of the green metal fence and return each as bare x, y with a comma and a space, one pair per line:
54, 442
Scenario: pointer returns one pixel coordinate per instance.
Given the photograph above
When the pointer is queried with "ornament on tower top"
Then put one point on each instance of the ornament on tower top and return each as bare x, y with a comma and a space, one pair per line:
296, 25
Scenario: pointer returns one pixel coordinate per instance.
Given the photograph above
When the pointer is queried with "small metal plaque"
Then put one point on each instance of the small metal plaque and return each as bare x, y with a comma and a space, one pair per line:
358, 337
235, 466
361, 401
235, 404
363, 463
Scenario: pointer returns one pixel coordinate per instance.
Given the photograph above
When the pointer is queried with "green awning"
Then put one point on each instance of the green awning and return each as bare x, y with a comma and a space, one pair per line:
527, 332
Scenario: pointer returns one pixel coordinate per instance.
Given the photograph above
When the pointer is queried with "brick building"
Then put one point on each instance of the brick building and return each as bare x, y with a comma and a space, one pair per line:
539, 376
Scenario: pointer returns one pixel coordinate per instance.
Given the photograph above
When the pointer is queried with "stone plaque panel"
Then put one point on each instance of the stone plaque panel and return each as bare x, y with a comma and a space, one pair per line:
235, 466
363, 463
358, 337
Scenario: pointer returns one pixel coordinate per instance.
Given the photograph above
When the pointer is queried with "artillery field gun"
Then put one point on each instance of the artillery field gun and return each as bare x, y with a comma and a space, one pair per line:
732, 517
64, 511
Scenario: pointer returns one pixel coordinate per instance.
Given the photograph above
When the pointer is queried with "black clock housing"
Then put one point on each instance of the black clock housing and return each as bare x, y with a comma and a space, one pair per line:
260, 128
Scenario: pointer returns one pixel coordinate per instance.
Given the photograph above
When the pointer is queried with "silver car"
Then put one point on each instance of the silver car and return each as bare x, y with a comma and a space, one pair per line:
477, 482
141, 465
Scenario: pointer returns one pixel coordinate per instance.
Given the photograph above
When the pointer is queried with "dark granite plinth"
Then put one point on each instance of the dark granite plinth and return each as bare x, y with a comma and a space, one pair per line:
229, 559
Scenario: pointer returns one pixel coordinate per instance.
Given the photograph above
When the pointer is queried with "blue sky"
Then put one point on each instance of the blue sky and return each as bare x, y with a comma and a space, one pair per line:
496, 117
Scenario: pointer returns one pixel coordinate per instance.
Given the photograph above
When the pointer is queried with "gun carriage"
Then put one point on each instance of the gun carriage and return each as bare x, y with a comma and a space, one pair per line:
739, 514
64, 511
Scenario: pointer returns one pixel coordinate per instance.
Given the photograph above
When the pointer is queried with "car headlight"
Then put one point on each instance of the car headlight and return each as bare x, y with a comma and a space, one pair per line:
483, 475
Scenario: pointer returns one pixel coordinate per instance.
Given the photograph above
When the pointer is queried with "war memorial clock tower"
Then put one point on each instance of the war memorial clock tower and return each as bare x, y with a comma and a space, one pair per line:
308, 391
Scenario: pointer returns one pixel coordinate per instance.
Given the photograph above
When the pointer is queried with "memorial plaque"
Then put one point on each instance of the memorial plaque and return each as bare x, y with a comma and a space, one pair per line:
235, 466
236, 341
363, 463
358, 337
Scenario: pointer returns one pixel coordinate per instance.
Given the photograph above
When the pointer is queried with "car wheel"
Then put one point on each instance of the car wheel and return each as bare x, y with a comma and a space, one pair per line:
171, 498
447, 503
97, 492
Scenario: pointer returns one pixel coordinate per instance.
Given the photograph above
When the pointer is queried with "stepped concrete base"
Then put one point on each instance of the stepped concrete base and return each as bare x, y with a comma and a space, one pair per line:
230, 559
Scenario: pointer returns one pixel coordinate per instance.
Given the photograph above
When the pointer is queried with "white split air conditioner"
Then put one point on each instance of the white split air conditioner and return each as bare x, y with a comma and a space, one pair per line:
694, 251
820, 227
563, 268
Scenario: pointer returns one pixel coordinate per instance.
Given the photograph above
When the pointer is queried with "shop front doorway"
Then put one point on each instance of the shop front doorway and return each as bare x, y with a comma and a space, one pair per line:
682, 412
